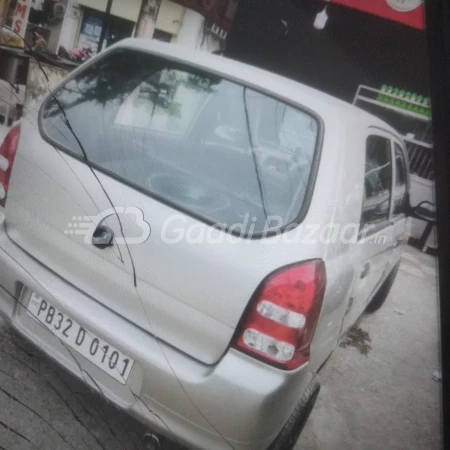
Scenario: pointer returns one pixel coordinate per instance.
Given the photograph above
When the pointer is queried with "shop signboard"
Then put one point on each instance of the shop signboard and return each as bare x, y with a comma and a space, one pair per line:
408, 12
14, 32
20, 17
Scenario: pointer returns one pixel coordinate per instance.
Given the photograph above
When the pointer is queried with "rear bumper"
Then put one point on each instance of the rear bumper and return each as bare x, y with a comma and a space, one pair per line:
241, 399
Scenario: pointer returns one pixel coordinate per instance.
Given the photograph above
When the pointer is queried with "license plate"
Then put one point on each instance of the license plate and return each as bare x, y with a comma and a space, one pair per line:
99, 352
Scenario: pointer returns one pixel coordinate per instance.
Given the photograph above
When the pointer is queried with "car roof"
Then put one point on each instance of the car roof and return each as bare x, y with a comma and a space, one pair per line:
262, 80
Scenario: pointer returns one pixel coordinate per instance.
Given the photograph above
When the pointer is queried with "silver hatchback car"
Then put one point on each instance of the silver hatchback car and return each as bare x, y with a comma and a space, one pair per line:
192, 236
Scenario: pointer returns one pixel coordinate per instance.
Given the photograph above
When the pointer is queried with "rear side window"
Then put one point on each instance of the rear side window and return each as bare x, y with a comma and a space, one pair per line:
400, 191
377, 181
211, 147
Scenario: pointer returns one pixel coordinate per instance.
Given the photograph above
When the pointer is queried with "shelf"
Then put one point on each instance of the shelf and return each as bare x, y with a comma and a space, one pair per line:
393, 108
378, 91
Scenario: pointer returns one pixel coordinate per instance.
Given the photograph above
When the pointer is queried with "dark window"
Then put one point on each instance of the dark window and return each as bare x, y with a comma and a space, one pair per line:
119, 29
400, 197
162, 36
377, 181
192, 139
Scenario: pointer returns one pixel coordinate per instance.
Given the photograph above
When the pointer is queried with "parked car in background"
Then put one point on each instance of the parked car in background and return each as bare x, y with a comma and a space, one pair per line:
214, 339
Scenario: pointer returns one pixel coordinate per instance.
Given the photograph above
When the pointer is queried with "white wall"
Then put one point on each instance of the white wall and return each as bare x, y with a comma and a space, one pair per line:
170, 17
55, 32
421, 190
70, 25
100, 5
191, 26
127, 9
191, 33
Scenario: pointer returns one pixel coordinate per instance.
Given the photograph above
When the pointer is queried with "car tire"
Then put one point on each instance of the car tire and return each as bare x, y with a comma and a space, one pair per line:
380, 297
289, 434
43, 406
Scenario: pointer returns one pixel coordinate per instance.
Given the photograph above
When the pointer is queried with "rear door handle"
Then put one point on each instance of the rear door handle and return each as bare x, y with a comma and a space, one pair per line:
102, 237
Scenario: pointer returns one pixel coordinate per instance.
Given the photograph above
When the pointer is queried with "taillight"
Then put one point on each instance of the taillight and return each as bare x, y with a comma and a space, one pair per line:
279, 325
7, 154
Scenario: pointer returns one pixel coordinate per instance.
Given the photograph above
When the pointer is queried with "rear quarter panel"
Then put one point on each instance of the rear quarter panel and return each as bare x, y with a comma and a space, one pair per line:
343, 166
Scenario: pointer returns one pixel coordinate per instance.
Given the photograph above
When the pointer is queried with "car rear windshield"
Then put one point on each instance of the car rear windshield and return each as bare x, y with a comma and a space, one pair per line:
205, 145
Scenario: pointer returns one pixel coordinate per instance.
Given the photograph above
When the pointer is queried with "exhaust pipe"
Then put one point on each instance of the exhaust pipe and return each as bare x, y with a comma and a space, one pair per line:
152, 441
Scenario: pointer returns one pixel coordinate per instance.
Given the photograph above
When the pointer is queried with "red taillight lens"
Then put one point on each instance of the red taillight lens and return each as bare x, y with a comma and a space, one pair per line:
279, 325
7, 154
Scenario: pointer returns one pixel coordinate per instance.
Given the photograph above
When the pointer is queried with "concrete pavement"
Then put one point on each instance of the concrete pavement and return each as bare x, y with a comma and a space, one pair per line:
387, 398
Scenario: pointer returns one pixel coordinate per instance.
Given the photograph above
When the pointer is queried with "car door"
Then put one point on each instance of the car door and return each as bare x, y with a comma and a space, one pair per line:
374, 247
400, 199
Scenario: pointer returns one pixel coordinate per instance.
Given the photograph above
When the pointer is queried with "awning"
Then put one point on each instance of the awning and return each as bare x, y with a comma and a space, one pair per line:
408, 12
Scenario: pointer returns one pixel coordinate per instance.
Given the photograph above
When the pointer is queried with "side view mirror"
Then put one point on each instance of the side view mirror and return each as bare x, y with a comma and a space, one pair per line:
424, 211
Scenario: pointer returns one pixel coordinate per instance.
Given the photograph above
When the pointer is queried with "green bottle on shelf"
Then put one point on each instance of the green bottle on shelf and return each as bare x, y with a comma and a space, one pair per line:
401, 94
396, 100
389, 98
381, 97
408, 99
414, 106
421, 108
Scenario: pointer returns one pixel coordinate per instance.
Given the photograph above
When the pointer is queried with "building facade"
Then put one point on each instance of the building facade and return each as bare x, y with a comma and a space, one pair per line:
94, 24
174, 23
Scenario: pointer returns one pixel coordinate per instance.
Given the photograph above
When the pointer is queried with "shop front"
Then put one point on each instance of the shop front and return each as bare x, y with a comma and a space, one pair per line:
370, 53
83, 28
61, 26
